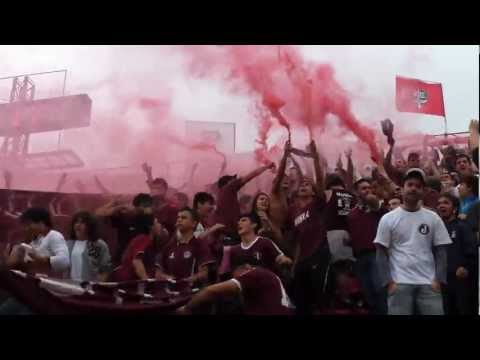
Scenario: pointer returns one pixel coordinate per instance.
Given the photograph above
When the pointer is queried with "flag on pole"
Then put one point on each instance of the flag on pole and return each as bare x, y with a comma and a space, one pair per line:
417, 96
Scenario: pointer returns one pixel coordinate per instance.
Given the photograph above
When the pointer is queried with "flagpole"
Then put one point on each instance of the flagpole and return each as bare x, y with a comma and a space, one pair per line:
444, 112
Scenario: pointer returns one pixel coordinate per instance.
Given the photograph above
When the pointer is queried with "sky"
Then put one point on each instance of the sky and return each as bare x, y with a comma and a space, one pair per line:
111, 74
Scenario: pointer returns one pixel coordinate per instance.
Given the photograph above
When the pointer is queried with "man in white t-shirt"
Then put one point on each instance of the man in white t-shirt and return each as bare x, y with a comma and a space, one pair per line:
411, 253
46, 253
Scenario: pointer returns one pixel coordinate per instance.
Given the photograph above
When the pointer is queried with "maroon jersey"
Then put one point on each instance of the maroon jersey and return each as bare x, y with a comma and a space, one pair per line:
140, 247
262, 249
309, 228
183, 260
362, 227
338, 208
263, 293
228, 207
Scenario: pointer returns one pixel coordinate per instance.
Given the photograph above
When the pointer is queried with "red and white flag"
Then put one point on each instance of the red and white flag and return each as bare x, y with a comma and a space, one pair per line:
417, 96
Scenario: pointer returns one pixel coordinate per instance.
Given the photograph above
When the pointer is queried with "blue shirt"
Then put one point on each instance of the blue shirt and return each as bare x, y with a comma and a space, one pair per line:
467, 203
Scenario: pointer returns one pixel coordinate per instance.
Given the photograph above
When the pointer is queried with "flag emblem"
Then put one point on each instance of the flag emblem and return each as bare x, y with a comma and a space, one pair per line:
421, 98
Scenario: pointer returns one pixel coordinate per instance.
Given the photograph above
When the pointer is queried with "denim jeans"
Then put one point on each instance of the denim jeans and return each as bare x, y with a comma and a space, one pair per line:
410, 299
367, 272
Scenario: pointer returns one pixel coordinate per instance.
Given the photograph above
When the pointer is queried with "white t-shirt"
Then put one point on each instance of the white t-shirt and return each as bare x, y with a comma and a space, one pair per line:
77, 260
53, 245
409, 238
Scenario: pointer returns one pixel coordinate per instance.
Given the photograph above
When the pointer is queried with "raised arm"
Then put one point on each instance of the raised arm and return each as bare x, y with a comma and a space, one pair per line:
391, 171
148, 172
247, 178
474, 135
223, 167
61, 182
209, 295
281, 169
319, 180
110, 209
350, 170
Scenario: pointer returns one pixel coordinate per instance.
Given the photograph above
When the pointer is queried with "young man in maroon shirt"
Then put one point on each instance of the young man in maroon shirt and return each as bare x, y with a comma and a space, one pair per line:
362, 225
260, 290
122, 218
138, 261
185, 257
260, 248
164, 210
228, 209
312, 255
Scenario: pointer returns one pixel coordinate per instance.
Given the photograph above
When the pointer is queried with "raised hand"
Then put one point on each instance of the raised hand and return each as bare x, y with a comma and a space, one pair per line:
288, 147
348, 153
474, 134
147, 168
387, 129
312, 148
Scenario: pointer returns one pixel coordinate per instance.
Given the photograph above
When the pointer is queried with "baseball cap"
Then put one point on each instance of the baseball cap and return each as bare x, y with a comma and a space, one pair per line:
415, 173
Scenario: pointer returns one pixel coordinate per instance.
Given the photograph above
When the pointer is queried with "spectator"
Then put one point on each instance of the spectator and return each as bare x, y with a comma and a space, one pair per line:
185, 258
204, 205
394, 203
463, 165
362, 225
462, 259
261, 290
48, 252
468, 190
261, 248
89, 255
261, 207
312, 255
138, 261
339, 204
449, 184
164, 211
432, 190
45, 252
228, 208
122, 218
411, 253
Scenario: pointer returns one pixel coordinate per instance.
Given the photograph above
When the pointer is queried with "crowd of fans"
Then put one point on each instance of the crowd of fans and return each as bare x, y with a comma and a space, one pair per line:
401, 238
